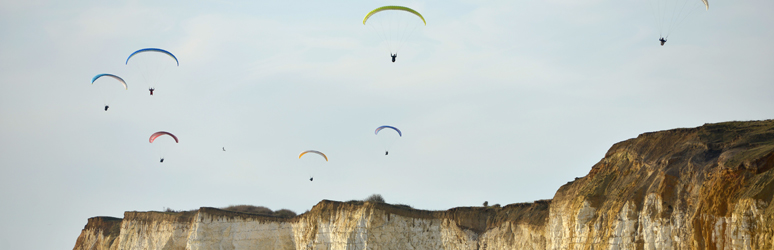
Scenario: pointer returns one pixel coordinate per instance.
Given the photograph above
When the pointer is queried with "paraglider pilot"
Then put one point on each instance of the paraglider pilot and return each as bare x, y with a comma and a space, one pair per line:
162, 160
386, 152
663, 41
151, 90
106, 107
311, 179
394, 56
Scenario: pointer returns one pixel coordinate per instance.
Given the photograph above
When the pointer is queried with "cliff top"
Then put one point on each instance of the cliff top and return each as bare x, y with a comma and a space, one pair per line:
473, 218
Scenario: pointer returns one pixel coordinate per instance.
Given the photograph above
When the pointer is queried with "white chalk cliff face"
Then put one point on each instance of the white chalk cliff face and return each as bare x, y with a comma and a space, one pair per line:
331, 225
703, 188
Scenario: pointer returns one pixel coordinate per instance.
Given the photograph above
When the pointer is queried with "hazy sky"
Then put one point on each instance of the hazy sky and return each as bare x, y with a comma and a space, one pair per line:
499, 101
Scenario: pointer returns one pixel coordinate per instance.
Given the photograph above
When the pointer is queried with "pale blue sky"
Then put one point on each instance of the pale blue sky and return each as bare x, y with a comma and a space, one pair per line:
499, 101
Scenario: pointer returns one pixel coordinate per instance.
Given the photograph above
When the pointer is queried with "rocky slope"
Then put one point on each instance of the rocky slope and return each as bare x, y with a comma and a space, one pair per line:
701, 188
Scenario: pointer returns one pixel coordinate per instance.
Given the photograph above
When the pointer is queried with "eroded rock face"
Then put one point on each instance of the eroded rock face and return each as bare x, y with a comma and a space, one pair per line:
702, 188
330, 225
100, 233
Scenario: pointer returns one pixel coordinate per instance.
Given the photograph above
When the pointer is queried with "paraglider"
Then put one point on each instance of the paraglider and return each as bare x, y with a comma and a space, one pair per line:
224, 149
311, 173
152, 63
669, 14
388, 140
395, 25
162, 150
108, 92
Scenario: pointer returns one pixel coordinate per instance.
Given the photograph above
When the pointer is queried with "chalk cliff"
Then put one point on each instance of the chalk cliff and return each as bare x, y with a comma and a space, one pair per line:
700, 188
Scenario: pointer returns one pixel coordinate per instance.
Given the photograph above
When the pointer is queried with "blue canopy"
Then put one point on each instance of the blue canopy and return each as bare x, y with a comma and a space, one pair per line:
153, 50
109, 75
385, 126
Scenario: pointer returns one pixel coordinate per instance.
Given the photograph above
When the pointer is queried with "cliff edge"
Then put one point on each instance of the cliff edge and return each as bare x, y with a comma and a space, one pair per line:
698, 188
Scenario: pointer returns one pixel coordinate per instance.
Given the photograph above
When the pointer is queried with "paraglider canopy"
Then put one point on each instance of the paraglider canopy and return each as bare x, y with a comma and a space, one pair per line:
153, 50
111, 76
390, 127
313, 152
401, 8
160, 133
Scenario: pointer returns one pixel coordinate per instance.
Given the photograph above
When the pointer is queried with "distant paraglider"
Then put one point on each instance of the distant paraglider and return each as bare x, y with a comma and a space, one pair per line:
669, 14
388, 140
162, 150
311, 170
395, 25
151, 63
108, 92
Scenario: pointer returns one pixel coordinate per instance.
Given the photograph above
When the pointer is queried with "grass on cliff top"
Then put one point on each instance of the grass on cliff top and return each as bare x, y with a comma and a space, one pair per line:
250, 209
752, 132
756, 138
377, 198
170, 210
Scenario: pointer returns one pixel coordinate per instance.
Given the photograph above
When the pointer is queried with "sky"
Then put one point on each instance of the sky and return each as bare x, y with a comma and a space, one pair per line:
498, 101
